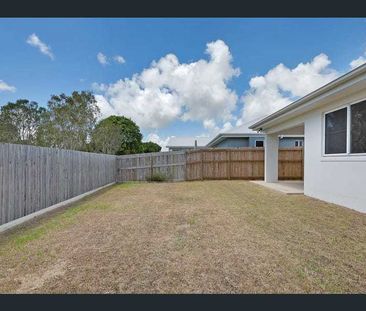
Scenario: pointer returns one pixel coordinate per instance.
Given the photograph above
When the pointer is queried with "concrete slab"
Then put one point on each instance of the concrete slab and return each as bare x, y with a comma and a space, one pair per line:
286, 186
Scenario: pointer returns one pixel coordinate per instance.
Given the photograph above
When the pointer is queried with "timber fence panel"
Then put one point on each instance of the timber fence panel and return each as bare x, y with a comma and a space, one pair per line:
291, 164
33, 178
220, 163
241, 163
140, 167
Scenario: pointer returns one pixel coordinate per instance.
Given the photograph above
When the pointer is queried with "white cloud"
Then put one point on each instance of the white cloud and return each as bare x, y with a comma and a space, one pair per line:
282, 85
4, 87
102, 58
105, 108
213, 129
169, 90
155, 138
34, 41
227, 127
358, 61
119, 59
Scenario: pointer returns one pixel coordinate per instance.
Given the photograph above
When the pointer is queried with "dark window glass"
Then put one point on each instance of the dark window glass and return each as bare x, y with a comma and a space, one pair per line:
259, 143
336, 132
358, 128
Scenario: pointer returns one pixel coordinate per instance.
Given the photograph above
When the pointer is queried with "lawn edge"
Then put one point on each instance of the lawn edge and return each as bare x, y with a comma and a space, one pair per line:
14, 223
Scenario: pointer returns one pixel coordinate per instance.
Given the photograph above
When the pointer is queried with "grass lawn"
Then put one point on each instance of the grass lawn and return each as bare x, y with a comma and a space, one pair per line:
189, 237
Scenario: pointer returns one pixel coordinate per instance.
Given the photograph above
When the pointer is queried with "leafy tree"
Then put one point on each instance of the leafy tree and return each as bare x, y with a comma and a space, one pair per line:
150, 147
117, 135
8, 132
107, 138
19, 121
69, 121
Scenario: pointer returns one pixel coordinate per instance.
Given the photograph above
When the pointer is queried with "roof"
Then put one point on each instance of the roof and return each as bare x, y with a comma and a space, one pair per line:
312, 99
187, 141
239, 131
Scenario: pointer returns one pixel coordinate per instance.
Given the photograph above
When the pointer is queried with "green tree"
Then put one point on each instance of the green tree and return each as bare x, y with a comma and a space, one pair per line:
107, 138
149, 146
117, 135
69, 121
19, 121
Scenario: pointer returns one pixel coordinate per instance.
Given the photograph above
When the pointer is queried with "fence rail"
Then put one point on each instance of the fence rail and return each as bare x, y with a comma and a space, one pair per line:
33, 178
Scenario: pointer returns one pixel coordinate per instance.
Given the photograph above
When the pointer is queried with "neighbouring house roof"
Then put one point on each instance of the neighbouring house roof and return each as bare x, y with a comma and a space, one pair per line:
312, 100
187, 142
236, 132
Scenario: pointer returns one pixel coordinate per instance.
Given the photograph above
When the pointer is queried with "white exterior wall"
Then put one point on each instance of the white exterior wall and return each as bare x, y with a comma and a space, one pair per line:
336, 179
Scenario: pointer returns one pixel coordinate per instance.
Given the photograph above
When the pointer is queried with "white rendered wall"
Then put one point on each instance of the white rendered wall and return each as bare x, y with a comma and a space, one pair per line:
337, 179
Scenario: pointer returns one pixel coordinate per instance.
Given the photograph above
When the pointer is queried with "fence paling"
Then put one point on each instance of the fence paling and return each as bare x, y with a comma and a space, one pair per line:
291, 164
243, 163
33, 178
171, 164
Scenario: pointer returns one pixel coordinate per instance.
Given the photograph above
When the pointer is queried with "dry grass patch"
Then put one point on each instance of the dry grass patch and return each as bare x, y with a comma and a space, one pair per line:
200, 237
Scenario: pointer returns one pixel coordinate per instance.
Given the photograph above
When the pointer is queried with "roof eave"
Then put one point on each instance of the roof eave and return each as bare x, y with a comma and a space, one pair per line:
311, 96
219, 137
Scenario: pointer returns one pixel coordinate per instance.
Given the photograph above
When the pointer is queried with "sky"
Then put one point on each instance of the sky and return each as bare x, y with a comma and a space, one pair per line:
178, 77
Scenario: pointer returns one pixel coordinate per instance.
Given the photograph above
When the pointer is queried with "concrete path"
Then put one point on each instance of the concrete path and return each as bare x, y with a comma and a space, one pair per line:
287, 186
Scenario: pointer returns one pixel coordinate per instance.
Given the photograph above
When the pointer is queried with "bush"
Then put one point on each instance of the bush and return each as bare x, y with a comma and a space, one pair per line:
158, 177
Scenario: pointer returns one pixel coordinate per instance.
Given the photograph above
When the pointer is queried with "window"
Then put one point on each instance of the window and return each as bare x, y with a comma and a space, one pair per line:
259, 143
336, 132
345, 130
358, 128
298, 143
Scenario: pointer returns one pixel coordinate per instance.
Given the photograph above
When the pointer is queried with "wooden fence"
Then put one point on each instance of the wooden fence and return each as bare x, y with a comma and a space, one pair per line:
243, 163
204, 164
33, 178
140, 167
290, 163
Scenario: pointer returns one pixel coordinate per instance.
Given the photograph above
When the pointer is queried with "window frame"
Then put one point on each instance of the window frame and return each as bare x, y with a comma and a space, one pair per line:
348, 133
255, 143
300, 143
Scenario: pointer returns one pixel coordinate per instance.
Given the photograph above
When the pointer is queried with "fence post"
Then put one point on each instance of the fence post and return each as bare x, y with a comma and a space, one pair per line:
185, 165
201, 165
228, 168
151, 166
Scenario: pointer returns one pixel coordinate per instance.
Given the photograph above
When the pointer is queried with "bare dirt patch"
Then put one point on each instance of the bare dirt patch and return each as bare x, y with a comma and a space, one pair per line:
189, 237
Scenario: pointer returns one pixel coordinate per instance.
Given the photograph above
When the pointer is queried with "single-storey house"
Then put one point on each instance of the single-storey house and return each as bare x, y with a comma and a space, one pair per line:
333, 122
242, 136
186, 143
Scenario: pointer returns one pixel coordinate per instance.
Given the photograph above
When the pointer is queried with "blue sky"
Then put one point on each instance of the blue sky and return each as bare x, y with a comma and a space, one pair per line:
255, 47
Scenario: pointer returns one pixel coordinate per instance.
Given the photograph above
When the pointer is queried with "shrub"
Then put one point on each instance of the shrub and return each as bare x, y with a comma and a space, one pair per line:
158, 177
